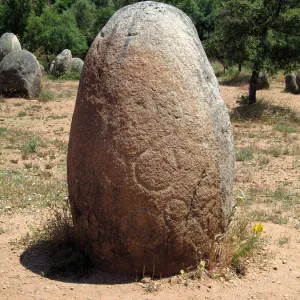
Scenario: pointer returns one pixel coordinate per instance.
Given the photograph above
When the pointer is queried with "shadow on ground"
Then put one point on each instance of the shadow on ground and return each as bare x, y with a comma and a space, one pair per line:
263, 111
67, 265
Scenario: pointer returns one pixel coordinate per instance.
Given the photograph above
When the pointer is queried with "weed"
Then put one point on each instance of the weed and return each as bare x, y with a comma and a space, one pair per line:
3, 130
243, 154
22, 114
285, 128
274, 217
237, 245
48, 166
71, 75
31, 145
19, 191
56, 238
283, 240
54, 117
263, 161
273, 150
233, 77
46, 95
28, 165
61, 145
33, 107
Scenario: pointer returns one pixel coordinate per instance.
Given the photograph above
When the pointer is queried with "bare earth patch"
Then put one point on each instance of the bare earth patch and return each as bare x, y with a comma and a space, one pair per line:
33, 141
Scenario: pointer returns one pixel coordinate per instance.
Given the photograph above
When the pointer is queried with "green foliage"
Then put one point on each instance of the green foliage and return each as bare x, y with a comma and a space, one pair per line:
268, 36
31, 145
84, 12
285, 128
244, 154
70, 75
22, 114
49, 27
46, 96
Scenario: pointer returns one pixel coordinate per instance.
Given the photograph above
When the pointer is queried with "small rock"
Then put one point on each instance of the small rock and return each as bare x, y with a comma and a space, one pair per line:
146, 280
284, 261
275, 268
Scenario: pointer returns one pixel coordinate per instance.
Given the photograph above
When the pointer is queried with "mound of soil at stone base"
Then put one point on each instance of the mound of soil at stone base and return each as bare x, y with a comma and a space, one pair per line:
273, 273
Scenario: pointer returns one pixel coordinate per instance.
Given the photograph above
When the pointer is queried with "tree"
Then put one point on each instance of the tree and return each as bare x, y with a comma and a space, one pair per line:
84, 12
15, 16
263, 32
55, 32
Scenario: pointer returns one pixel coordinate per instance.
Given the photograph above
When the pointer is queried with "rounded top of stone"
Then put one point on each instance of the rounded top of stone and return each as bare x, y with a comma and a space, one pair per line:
66, 52
23, 58
8, 43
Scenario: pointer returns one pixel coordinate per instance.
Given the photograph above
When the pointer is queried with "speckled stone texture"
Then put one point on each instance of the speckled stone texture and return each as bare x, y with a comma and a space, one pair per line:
8, 43
20, 75
290, 83
63, 62
151, 157
77, 65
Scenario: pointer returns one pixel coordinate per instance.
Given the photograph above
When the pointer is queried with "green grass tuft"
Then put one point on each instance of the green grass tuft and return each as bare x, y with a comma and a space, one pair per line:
285, 128
243, 154
46, 96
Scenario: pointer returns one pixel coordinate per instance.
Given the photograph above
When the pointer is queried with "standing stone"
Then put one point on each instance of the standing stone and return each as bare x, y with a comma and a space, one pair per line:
42, 69
8, 43
262, 81
290, 83
63, 62
77, 65
298, 80
150, 158
20, 75
51, 67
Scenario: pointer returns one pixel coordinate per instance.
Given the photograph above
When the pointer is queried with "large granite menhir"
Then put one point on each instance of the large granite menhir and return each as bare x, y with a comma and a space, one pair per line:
150, 159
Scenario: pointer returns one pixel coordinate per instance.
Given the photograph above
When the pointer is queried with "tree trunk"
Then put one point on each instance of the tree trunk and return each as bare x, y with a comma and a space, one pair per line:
252, 88
240, 67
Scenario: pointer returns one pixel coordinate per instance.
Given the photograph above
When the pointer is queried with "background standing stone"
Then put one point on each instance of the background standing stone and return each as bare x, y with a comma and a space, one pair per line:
20, 75
8, 43
63, 62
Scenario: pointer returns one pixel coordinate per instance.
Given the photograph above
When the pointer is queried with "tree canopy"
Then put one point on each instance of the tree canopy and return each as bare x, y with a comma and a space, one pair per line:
262, 33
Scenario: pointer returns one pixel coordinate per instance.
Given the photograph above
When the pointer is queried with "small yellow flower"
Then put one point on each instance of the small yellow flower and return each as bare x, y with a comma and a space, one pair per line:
258, 228
202, 264
181, 272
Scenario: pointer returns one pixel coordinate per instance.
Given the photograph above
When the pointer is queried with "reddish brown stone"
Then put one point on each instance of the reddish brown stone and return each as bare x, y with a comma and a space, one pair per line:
150, 161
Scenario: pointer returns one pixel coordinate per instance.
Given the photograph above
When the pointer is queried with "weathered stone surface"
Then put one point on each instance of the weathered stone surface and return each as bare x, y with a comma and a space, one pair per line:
8, 43
290, 83
63, 62
262, 81
51, 67
77, 64
298, 80
150, 158
42, 69
20, 75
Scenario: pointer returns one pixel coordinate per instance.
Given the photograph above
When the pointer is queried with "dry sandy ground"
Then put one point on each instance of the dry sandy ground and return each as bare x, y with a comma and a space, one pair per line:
273, 273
